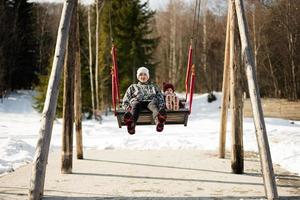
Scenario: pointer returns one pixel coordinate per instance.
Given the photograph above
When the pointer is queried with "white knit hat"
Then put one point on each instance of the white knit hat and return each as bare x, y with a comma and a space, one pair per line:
142, 70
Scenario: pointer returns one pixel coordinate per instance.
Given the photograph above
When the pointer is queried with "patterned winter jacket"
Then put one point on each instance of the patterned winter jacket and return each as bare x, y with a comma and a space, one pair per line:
143, 92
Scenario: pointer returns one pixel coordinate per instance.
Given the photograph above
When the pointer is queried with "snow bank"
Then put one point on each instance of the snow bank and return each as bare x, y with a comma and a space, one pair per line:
14, 153
19, 125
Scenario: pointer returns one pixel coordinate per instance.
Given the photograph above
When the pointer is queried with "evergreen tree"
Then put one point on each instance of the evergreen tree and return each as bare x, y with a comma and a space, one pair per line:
41, 88
22, 46
25, 70
17, 47
46, 33
130, 29
3, 35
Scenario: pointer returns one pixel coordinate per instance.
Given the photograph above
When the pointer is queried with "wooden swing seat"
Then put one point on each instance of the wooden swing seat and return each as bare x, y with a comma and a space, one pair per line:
145, 118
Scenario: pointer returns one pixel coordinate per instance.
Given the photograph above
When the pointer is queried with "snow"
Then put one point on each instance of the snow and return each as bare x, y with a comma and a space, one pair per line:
19, 126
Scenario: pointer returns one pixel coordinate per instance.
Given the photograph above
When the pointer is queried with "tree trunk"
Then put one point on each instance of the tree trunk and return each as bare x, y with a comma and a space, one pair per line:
272, 74
291, 45
261, 133
97, 57
91, 62
173, 44
204, 44
37, 179
180, 60
172, 58
254, 34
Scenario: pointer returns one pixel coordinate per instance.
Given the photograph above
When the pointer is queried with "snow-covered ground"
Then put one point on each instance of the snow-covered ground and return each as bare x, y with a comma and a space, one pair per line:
19, 125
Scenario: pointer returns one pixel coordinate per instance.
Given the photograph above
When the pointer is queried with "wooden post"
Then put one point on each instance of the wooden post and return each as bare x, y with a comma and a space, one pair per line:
261, 133
77, 89
38, 172
225, 92
237, 152
68, 101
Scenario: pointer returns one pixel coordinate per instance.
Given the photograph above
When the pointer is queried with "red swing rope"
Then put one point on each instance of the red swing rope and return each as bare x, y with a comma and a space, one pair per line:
116, 72
192, 87
115, 79
188, 70
113, 90
190, 78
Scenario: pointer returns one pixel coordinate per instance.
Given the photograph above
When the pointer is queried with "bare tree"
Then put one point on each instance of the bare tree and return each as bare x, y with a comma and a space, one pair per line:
91, 61
97, 57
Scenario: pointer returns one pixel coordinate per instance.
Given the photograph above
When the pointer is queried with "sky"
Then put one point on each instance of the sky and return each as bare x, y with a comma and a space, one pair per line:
215, 5
154, 4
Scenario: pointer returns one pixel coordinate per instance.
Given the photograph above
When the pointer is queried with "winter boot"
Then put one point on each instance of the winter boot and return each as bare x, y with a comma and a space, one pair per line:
128, 120
161, 119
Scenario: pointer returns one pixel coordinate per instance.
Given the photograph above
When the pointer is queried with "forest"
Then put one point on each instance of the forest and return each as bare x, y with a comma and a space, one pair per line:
157, 39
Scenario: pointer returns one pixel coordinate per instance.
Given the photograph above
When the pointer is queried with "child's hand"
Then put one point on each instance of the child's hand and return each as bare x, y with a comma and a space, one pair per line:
128, 108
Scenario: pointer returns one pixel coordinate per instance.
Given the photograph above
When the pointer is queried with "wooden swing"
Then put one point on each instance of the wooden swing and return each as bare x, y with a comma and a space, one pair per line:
145, 118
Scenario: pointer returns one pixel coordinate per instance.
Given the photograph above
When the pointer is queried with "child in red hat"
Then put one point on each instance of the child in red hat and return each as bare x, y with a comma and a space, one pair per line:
172, 101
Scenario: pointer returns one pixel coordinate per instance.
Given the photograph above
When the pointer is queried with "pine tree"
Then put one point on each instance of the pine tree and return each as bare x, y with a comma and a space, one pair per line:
3, 35
21, 47
130, 29
41, 88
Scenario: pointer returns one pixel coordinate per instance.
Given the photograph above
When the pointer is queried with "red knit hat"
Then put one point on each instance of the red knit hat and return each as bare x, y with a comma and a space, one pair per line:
168, 85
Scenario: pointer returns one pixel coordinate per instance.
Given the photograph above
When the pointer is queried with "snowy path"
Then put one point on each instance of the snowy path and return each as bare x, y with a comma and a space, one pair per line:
151, 174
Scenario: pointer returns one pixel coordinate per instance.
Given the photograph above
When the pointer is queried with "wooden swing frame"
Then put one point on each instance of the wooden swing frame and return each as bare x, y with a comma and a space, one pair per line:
37, 180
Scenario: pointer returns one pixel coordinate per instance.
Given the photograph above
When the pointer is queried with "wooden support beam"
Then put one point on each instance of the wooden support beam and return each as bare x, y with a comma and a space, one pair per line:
237, 151
261, 133
77, 96
38, 172
225, 92
68, 100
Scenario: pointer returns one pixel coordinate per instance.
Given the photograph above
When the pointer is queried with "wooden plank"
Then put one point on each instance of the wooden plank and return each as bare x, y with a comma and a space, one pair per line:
145, 118
278, 108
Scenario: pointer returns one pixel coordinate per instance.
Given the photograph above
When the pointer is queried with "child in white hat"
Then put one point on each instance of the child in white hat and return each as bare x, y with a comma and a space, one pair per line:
143, 95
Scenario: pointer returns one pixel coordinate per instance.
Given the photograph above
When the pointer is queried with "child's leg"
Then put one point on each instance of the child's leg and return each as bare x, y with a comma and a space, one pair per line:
153, 108
136, 109
159, 116
168, 102
175, 102
131, 117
